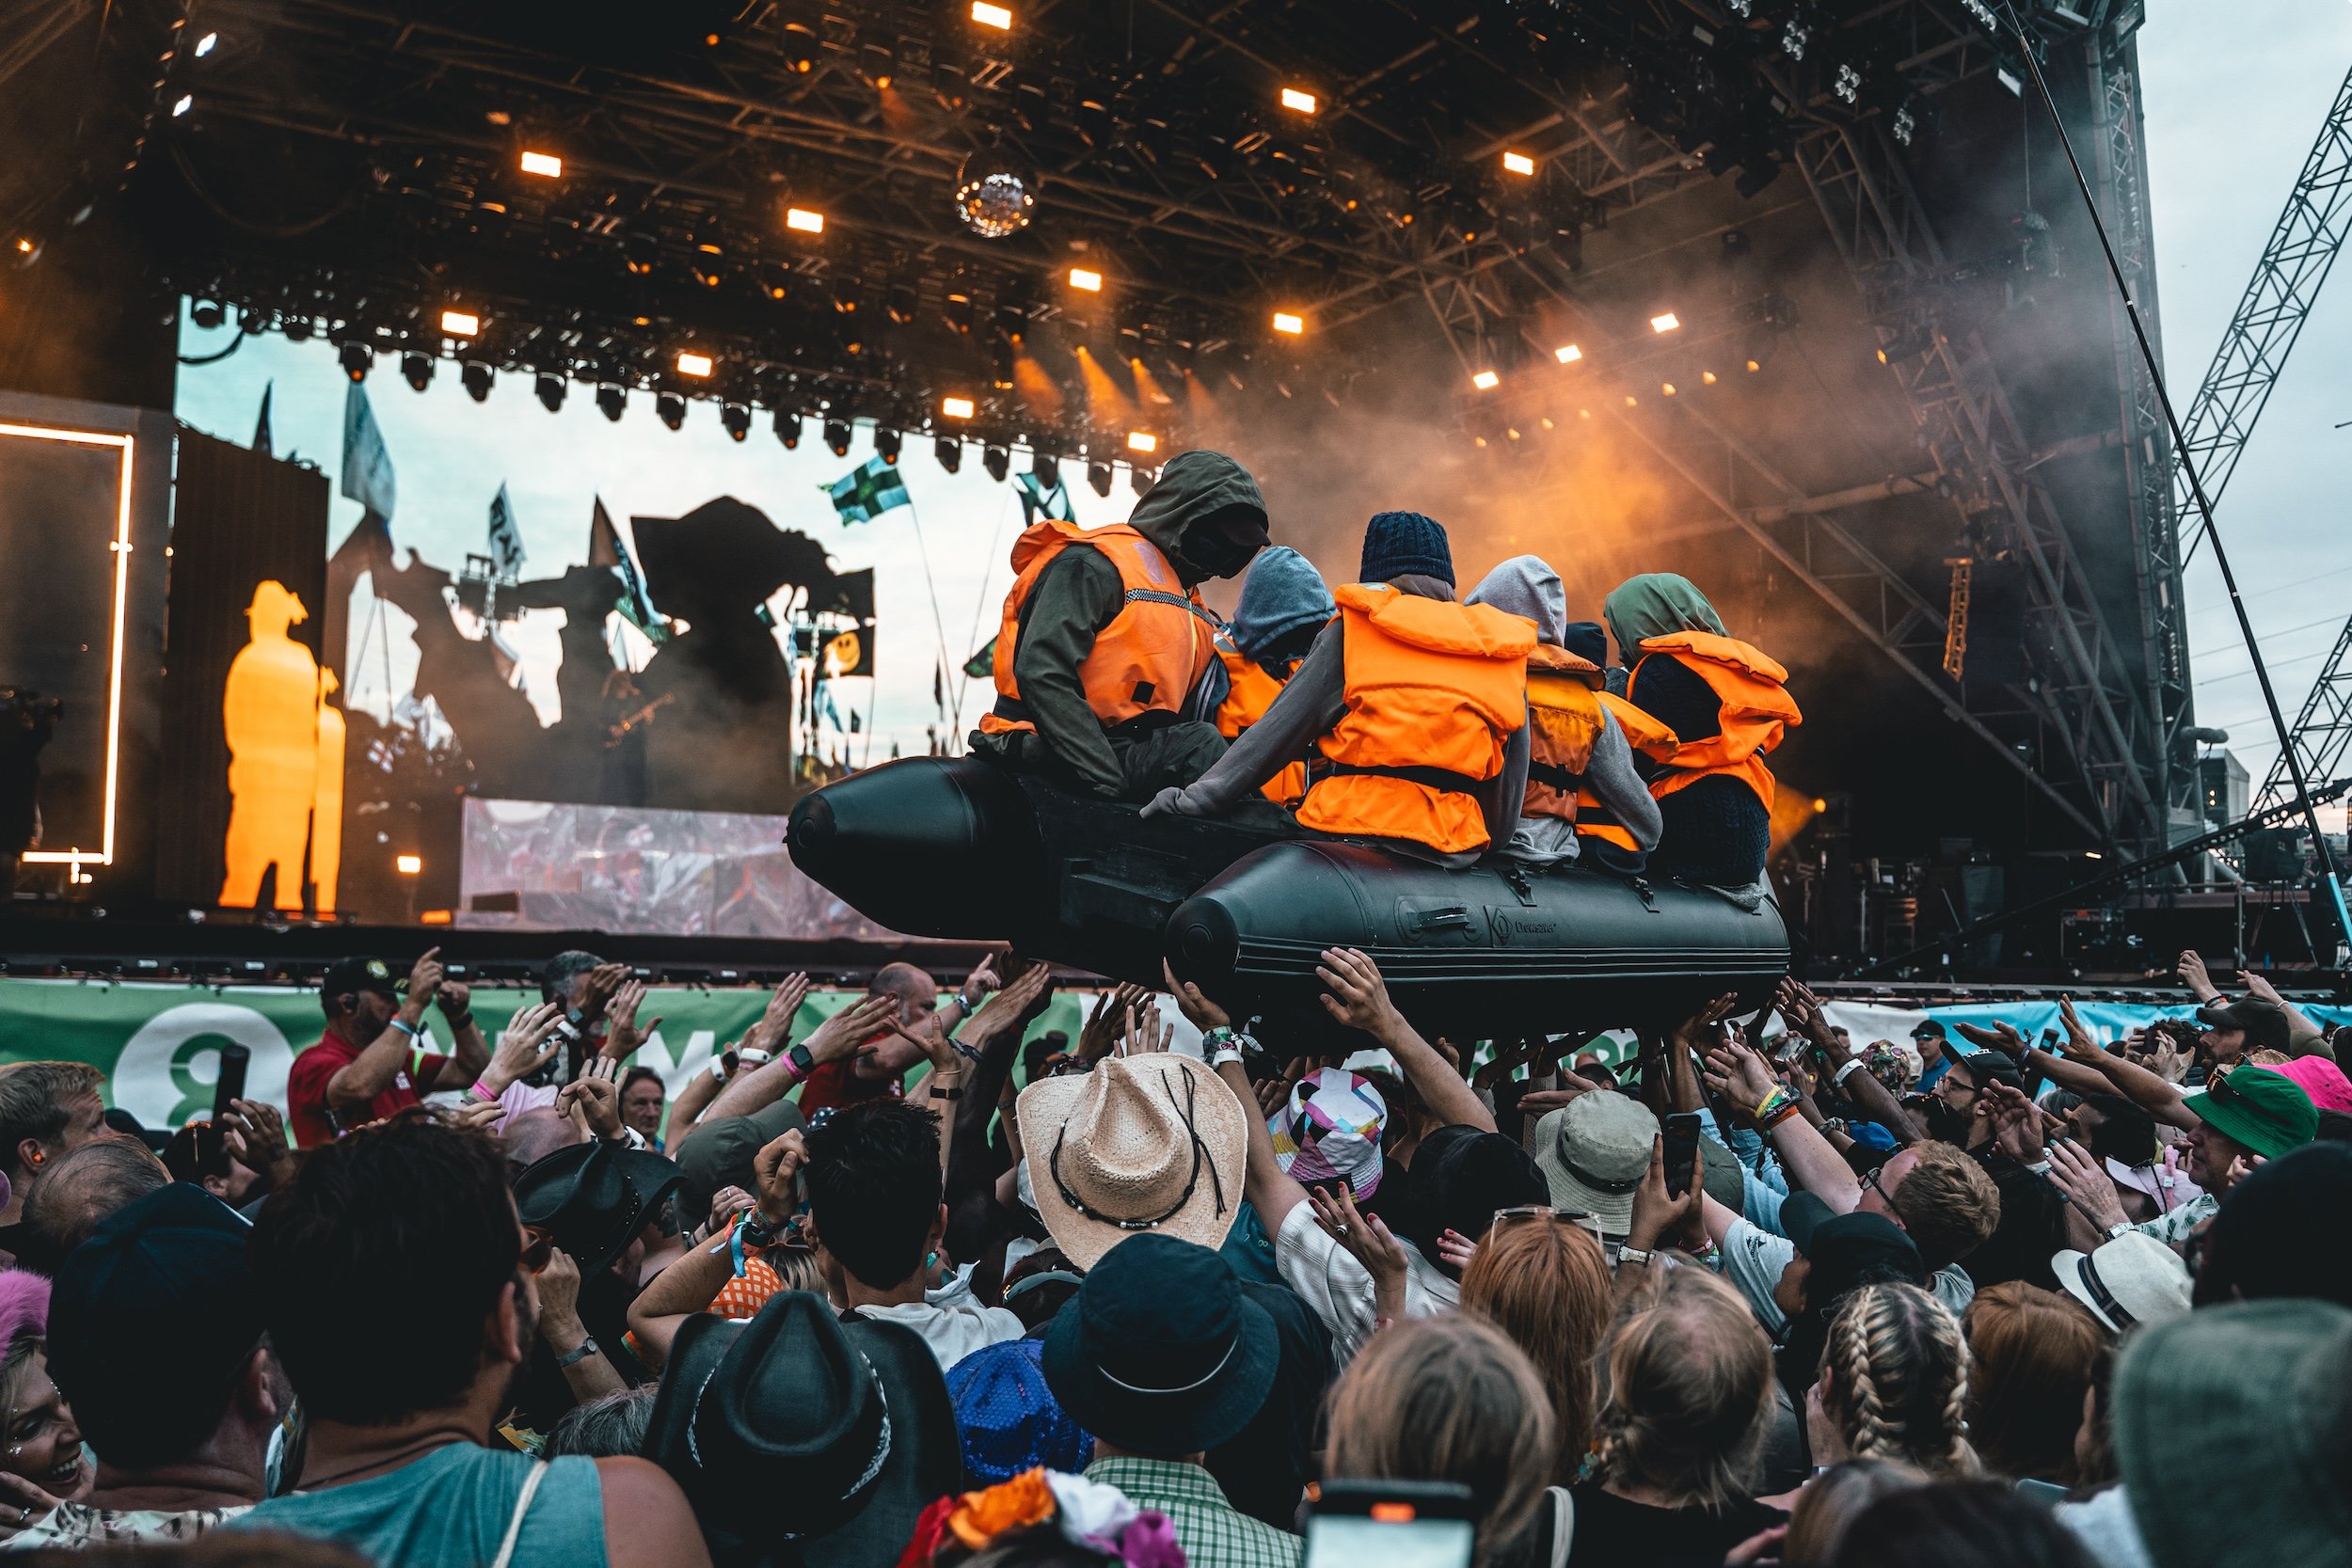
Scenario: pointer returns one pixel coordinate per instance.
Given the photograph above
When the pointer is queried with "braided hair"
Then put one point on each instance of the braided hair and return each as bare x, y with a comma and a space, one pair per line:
1896, 1380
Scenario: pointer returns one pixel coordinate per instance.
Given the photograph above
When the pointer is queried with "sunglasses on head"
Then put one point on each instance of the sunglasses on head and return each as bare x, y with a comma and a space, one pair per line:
538, 1250
1576, 1217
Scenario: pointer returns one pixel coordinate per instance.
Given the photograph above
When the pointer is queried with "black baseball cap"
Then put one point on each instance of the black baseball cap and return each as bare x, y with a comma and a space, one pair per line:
1992, 1067
1928, 1028
345, 975
1853, 1250
151, 1322
2264, 1025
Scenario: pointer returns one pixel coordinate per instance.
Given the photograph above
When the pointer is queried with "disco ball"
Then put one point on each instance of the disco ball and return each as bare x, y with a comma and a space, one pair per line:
994, 197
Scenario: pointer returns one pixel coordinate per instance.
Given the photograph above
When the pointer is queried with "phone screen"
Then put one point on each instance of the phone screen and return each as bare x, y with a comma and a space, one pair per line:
1682, 1147
1362, 1541
233, 1059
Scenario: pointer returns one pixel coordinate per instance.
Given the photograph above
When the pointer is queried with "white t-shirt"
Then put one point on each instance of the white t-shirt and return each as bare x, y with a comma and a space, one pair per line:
1337, 1290
951, 1320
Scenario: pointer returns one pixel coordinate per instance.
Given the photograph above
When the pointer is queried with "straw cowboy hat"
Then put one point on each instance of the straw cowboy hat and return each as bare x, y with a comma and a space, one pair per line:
1154, 1143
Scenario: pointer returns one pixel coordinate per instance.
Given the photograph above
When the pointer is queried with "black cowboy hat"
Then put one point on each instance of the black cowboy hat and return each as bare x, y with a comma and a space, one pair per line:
1160, 1351
593, 1197
802, 1439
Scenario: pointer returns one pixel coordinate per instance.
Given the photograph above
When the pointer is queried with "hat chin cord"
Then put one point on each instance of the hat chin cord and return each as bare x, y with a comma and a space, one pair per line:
1199, 1154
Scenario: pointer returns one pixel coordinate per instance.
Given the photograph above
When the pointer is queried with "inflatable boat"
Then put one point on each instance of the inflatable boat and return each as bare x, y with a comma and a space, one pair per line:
961, 848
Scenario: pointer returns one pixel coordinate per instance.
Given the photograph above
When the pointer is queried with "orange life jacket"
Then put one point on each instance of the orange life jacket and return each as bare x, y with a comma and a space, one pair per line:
1757, 712
1249, 691
1434, 691
1563, 719
1148, 658
1646, 734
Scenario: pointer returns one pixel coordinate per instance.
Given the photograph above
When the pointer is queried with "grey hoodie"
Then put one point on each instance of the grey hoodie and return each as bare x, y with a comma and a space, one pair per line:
1526, 586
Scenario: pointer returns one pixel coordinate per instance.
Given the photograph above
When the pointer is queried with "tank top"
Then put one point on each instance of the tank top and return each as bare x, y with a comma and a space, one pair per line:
453, 1506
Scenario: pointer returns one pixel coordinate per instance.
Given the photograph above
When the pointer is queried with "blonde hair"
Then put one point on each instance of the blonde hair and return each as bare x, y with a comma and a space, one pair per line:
1547, 1285
1946, 1203
1690, 1396
1449, 1399
797, 1267
1895, 1380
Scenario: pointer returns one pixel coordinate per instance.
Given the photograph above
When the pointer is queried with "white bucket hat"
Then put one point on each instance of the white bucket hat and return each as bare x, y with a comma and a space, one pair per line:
1594, 1151
2132, 1280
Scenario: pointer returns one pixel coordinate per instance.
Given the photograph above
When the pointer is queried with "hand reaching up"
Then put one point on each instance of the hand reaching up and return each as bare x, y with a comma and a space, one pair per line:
1356, 994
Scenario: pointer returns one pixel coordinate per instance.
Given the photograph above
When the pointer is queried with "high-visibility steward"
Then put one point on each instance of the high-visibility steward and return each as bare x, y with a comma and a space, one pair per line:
1563, 718
1648, 736
1757, 712
1144, 661
1434, 691
1249, 691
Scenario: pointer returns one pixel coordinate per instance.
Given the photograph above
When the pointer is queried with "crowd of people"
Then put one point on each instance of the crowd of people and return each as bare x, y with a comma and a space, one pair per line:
909, 1282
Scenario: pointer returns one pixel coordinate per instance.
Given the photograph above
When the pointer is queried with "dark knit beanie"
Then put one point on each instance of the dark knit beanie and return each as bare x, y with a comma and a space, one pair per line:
1406, 544
1587, 640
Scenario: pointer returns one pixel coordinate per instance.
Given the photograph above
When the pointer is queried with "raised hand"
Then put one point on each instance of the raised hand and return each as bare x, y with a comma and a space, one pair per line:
255, 1135
977, 984
850, 1028
559, 1293
1456, 1250
424, 979
1100, 1036
773, 1032
1366, 1240
621, 1036
2191, 967
1146, 1035
1016, 1007
2016, 1121
594, 1100
1355, 993
1201, 1013
1739, 1074
1656, 1212
2085, 1184
726, 1204
456, 999
527, 1043
2000, 1034
773, 1170
2079, 1046
478, 1116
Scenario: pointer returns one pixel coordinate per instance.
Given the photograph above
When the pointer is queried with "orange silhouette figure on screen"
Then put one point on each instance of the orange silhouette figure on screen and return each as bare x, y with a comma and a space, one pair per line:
326, 800
269, 709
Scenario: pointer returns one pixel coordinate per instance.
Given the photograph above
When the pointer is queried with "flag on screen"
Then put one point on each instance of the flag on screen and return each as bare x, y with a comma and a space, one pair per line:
506, 538
367, 476
261, 442
868, 491
606, 548
982, 665
1038, 499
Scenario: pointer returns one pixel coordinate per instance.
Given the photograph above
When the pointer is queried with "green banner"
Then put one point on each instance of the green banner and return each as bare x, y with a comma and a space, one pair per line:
159, 1043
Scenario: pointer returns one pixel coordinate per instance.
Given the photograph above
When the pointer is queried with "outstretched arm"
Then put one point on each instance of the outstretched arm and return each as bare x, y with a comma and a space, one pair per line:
1308, 706
1356, 995
1265, 1185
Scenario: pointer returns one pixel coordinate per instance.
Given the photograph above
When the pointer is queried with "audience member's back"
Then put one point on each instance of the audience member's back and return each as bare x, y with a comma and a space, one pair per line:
397, 1300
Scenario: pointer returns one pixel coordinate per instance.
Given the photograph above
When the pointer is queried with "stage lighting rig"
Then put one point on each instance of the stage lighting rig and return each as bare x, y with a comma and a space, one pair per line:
477, 378
734, 420
610, 400
417, 369
950, 453
997, 461
996, 194
786, 424
1793, 38
670, 409
548, 387
208, 314
355, 360
837, 436
888, 443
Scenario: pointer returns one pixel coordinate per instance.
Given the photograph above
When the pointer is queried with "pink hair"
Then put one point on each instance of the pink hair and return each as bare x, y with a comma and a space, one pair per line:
24, 1306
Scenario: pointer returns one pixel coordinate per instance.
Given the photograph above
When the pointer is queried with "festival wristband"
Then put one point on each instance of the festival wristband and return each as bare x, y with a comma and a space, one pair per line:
1635, 1255
482, 1093
406, 1028
1776, 1107
1837, 1079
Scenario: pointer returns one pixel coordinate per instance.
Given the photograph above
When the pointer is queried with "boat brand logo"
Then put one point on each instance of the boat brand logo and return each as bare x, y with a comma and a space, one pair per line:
1511, 924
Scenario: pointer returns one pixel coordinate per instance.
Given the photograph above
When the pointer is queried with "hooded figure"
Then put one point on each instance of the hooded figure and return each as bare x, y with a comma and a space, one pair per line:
1283, 606
1103, 643
1727, 706
1418, 702
1581, 786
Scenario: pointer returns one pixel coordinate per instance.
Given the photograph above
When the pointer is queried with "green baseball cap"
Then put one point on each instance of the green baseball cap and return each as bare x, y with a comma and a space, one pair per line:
2266, 1111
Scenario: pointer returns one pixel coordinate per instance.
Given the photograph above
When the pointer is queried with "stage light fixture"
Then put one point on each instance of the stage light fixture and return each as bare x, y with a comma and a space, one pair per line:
206, 44
1848, 84
1099, 476
837, 437
610, 400
1047, 467
986, 15
957, 408
1982, 14
1299, 100
548, 389
1667, 388
1567, 354
355, 360
1087, 278
1739, 8
670, 409
417, 369
408, 865
1665, 322
804, 220
888, 443
297, 329
786, 424
1905, 124
545, 164
734, 420
1485, 381
949, 451
461, 324
24, 250
1143, 441
476, 377
182, 105
1518, 163
207, 314
2009, 79
1289, 323
1708, 377
997, 461
695, 365
1140, 479
1753, 367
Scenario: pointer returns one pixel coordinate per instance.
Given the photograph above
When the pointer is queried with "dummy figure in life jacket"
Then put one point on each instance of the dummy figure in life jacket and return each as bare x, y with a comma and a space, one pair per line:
1417, 704
1584, 799
1283, 608
1103, 643
1727, 706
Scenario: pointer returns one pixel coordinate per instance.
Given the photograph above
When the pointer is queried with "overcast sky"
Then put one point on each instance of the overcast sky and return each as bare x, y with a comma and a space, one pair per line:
2234, 95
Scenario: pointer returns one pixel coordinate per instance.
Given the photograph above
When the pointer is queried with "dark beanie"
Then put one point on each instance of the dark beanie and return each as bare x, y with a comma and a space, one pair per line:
1405, 544
1587, 640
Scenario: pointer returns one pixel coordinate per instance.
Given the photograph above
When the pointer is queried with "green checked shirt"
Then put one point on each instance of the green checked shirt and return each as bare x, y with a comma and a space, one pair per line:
1212, 1533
